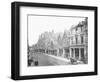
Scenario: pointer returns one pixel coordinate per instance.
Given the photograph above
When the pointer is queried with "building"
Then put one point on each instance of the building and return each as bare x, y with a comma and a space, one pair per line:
79, 41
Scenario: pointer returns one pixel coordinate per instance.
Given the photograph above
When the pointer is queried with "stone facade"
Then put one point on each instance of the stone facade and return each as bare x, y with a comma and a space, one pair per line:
79, 41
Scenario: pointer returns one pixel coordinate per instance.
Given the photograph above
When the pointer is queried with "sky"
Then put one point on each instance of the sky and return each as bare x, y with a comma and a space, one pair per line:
38, 24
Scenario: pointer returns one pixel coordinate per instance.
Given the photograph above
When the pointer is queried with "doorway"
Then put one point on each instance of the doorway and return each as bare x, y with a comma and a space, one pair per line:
82, 54
77, 53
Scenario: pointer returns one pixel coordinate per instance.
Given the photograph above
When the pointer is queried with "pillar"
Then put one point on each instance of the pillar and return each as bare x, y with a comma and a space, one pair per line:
70, 53
63, 53
79, 53
57, 52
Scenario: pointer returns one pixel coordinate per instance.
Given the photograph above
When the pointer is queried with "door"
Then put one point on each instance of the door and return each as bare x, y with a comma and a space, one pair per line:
72, 52
82, 54
77, 53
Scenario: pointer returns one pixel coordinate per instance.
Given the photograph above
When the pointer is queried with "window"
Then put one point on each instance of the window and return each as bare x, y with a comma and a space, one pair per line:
72, 39
82, 40
76, 40
76, 29
81, 29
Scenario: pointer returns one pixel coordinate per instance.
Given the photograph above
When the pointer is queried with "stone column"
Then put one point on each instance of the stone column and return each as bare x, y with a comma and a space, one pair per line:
79, 53
85, 52
57, 52
70, 53
63, 52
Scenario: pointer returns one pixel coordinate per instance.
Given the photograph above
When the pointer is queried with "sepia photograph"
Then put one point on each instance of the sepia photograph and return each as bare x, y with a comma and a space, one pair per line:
56, 40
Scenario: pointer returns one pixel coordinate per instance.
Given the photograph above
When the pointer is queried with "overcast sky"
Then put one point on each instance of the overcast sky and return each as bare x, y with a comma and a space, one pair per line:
41, 24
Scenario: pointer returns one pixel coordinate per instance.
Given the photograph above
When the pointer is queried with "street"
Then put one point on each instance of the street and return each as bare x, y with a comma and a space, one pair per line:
49, 60
43, 60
